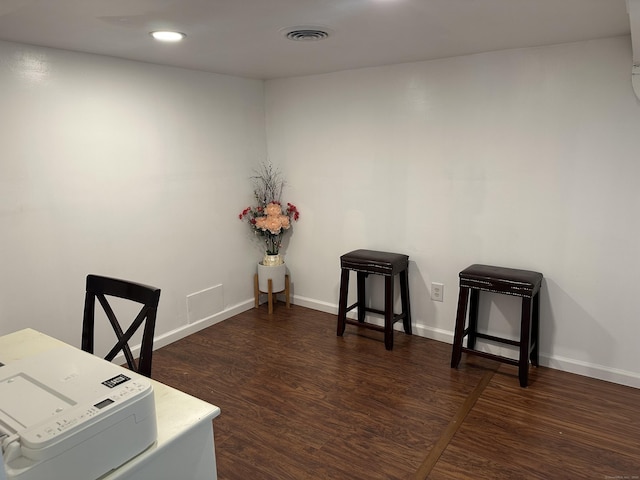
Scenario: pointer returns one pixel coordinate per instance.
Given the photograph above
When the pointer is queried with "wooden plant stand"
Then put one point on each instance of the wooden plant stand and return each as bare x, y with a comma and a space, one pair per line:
270, 293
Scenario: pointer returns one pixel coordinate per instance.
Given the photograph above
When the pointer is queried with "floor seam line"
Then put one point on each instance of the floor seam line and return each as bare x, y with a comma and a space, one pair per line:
445, 438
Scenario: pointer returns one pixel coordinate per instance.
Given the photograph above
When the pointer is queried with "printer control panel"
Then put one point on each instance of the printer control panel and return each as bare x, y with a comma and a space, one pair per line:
65, 422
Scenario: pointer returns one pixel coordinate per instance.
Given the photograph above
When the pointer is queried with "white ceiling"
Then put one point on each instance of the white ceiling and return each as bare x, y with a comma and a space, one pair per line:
244, 37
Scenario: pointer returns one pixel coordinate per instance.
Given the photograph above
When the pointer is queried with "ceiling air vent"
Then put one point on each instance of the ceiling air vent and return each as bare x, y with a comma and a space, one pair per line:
306, 34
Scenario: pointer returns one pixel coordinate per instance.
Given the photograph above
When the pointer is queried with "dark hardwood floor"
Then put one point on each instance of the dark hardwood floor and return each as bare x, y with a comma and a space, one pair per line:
298, 402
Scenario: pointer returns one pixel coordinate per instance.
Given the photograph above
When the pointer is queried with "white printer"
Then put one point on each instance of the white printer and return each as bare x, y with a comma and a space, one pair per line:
68, 414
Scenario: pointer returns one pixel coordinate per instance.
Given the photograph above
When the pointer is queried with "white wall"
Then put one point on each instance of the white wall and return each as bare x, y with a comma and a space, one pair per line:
124, 169
522, 158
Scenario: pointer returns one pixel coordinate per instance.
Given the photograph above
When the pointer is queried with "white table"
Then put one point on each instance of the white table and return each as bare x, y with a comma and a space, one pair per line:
185, 446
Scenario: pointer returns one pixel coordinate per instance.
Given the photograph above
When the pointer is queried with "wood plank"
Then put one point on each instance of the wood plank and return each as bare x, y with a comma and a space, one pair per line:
299, 402
445, 438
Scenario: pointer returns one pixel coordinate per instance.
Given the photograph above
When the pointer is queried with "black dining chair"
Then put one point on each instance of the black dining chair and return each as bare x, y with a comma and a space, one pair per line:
102, 287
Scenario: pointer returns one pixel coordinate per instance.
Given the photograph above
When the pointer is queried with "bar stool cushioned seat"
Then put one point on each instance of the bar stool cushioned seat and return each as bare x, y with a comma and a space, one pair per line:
508, 281
366, 262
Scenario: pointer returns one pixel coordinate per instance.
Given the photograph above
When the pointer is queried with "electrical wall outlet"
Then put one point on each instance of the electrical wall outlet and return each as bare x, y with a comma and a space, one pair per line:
437, 292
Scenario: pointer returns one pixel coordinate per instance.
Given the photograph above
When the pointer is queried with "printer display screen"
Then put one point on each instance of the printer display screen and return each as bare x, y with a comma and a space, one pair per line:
103, 403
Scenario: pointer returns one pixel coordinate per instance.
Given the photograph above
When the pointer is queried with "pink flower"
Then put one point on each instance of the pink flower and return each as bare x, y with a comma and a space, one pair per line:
274, 221
273, 209
270, 222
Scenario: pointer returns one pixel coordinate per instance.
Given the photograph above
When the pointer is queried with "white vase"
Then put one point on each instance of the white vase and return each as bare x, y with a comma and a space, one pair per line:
274, 272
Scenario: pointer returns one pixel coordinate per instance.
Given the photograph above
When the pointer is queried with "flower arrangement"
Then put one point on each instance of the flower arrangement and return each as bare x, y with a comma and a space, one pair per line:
268, 218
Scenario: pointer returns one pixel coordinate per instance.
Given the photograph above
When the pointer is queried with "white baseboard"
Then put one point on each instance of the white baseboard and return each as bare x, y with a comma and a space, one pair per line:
185, 330
601, 372
613, 375
315, 304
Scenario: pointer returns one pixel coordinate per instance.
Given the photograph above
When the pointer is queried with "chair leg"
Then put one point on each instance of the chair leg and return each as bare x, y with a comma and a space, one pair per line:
525, 341
270, 294
388, 312
474, 308
404, 296
342, 304
461, 317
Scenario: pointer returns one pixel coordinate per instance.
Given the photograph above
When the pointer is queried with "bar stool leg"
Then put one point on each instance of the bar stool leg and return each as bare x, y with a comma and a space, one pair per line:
535, 330
404, 296
461, 317
342, 305
474, 307
525, 341
388, 312
361, 296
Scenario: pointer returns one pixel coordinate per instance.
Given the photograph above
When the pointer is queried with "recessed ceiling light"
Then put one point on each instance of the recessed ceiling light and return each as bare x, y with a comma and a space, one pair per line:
168, 36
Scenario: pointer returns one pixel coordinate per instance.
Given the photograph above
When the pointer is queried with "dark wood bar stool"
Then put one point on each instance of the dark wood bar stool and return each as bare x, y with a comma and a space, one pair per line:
508, 281
366, 262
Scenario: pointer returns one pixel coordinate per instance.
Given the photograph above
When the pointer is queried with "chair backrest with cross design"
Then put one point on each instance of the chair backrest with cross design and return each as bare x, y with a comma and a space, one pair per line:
102, 287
